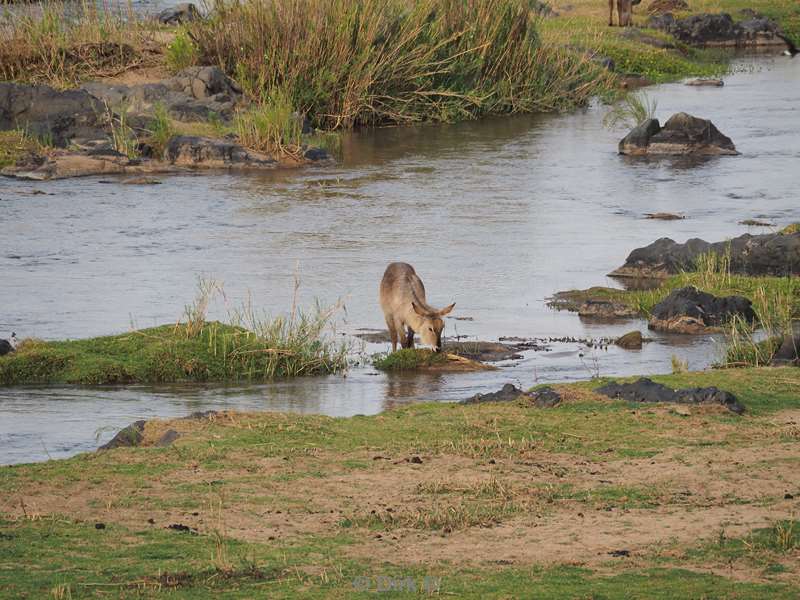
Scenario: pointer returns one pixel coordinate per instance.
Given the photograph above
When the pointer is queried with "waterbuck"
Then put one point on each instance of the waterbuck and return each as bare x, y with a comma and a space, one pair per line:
403, 302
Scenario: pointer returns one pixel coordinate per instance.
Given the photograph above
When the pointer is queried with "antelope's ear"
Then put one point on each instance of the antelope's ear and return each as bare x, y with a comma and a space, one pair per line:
446, 310
418, 310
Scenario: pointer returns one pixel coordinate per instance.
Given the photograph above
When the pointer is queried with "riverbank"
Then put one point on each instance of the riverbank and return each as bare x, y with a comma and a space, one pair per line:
199, 95
594, 494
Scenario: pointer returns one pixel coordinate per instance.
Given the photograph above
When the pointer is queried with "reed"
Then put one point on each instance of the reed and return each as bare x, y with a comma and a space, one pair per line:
372, 62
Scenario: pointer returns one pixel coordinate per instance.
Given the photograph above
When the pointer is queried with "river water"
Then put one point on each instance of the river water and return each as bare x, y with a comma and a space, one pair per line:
495, 215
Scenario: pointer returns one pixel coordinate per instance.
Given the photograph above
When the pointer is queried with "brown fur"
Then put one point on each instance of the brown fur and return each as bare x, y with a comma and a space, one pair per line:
402, 298
624, 12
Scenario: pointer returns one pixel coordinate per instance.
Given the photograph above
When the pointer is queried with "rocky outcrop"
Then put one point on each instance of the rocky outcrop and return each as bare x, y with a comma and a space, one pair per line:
646, 390
720, 30
776, 254
194, 94
682, 134
57, 117
194, 151
689, 310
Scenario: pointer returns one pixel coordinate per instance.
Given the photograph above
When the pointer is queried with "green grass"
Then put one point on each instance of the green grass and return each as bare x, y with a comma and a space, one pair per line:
408, 359
271, 125
161, 129
169, 353
181, 52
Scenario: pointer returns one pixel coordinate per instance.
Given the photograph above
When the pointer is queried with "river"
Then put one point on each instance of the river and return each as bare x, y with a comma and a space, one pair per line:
495, 215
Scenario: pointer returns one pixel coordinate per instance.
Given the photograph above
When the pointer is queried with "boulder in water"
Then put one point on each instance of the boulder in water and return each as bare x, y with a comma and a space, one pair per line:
683, 134
689, 310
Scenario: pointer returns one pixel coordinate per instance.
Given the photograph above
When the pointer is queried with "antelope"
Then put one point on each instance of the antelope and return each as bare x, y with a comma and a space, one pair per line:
402, 298
624, 12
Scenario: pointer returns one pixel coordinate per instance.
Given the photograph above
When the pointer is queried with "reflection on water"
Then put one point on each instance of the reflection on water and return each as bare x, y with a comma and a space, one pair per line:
495, 215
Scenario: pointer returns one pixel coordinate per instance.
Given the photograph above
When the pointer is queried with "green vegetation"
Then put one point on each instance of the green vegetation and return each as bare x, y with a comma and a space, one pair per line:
372, 62
498, 497
251, 347
181, 52
408, 359
272, 125
161, 130
634, 109
15, 144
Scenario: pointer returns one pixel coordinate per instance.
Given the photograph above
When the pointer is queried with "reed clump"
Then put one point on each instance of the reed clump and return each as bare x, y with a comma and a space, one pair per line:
347, 63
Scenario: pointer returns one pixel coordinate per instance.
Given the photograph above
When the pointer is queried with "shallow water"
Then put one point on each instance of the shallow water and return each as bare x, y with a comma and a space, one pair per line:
495, 215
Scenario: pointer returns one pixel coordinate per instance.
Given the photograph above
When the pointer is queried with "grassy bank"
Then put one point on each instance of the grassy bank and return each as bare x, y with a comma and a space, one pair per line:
593, 498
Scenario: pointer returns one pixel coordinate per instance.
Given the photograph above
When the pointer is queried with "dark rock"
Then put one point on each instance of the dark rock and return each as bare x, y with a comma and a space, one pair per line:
415, 460
508, 393
688, 310
130, 436
192, 151
664, 216
682, 134
776, 254
720, 30
646, 390
178, 14
630, 341
99, 525
182, 528
316, 154
166, 440
545, 397
788, 352
620, 553
52, 115
200, 415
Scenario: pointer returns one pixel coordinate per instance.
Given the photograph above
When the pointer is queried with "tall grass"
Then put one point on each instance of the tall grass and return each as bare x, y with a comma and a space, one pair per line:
633, 109
65, 43
367, 62
271, 125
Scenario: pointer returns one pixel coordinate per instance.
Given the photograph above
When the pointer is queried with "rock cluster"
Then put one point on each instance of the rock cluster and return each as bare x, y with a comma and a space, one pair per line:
683, 134
646, 390
689, 310
720, 30
776, 254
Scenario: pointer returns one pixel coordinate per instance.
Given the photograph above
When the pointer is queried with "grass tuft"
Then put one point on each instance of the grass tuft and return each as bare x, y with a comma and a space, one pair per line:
408, 359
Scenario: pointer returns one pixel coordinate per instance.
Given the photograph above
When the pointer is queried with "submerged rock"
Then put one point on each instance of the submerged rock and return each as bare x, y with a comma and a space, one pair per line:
646, 390
682, 134
482, 351
720, 30
631, 340
776, 254
689, 310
